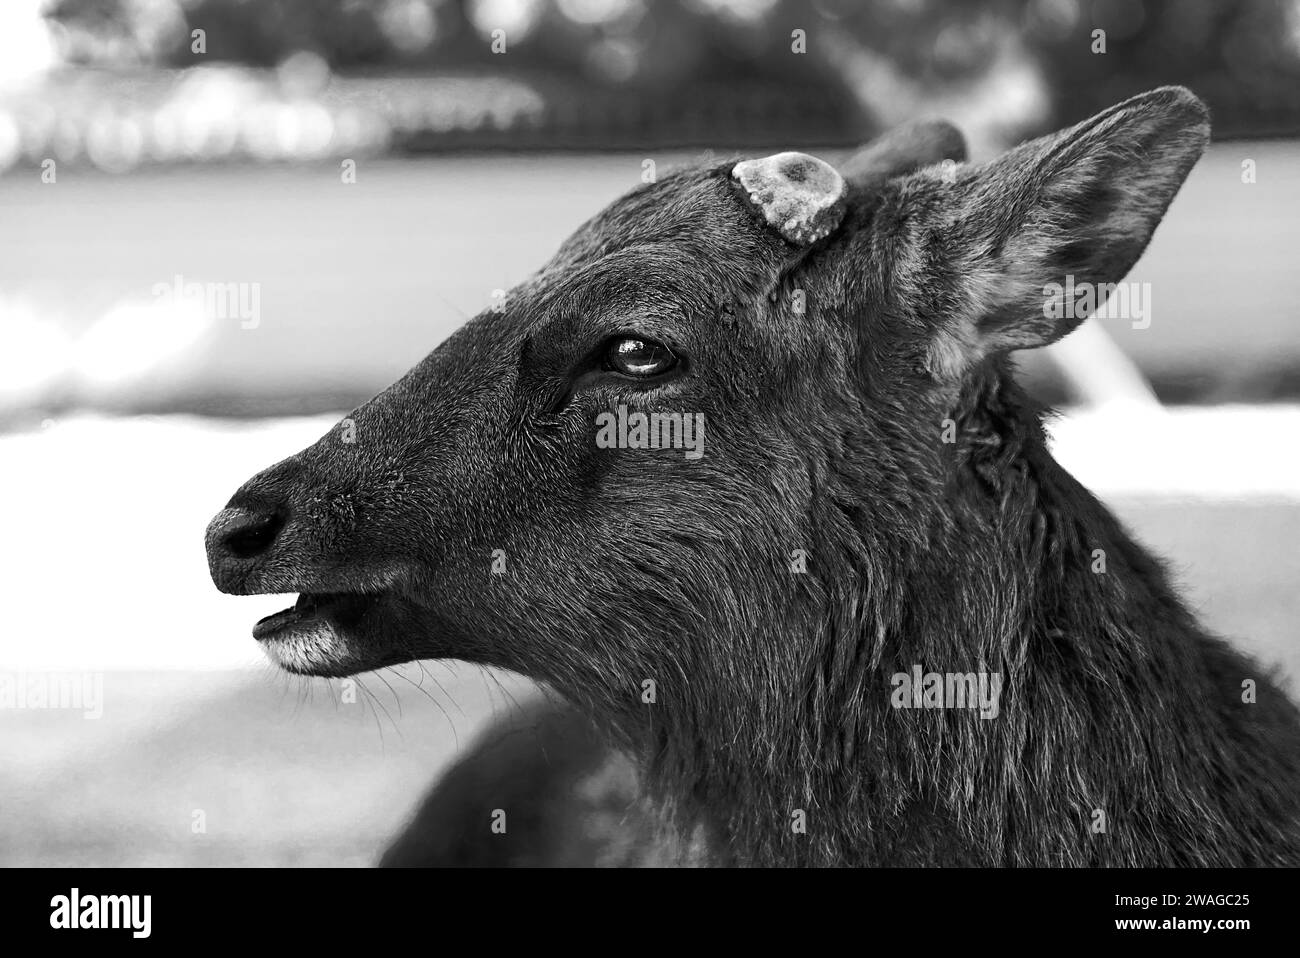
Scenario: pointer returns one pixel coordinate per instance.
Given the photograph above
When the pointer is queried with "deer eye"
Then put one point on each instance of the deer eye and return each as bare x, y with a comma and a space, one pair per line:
632, 356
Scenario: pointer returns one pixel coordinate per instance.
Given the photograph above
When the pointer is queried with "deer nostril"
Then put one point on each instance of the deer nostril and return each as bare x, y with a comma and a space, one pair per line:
252, 534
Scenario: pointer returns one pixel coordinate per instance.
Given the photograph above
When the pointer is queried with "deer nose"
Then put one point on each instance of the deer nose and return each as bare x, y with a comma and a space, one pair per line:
235, 539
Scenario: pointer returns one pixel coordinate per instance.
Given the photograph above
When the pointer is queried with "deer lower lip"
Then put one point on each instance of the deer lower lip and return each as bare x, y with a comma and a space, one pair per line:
337, 608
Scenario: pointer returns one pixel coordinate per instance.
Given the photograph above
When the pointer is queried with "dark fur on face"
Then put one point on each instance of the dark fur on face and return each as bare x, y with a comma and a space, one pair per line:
825, 373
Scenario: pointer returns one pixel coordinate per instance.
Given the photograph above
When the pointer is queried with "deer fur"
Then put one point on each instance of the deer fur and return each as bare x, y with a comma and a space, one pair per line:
863, 418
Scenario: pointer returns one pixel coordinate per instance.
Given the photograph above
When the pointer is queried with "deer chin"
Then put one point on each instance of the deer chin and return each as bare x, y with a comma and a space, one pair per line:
321, 634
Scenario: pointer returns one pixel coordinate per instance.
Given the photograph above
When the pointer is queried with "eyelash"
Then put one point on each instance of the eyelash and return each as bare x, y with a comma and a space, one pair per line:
594, 365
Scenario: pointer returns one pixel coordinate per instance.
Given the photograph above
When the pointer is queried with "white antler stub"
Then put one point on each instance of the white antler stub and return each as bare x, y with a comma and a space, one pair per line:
800, 196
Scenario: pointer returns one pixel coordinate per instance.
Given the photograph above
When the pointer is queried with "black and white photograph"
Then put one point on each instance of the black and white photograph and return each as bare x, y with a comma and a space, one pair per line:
690, 434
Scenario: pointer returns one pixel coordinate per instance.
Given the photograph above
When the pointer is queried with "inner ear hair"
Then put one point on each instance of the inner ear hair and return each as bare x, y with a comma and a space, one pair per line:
986, 258
903, 150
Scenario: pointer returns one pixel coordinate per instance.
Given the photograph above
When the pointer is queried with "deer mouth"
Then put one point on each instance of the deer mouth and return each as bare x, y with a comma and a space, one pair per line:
327, 634
338, 611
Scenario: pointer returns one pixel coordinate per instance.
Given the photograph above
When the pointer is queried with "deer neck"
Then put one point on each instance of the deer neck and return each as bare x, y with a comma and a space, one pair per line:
893, 743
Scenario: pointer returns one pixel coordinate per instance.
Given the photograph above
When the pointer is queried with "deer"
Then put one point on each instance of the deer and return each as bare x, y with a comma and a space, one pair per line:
733, 637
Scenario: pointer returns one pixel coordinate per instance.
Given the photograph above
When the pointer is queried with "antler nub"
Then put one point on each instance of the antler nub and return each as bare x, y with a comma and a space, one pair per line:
800, 196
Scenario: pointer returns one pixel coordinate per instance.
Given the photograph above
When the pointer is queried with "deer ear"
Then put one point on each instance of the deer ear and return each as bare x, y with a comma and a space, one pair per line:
799, 196
992, 253
903, 150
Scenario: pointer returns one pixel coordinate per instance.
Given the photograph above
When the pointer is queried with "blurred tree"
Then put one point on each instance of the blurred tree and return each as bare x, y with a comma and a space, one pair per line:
1005, 68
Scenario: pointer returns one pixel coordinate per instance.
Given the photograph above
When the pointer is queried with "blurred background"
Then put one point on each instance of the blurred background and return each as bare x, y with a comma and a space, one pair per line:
224, 223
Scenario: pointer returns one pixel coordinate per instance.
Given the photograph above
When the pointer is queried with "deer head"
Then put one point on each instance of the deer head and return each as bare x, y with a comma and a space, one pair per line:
806, 330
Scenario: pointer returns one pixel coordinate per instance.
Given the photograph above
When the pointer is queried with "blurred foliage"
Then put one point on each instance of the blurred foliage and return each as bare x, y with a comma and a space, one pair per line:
279, 79
1243, 58
1244, 55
